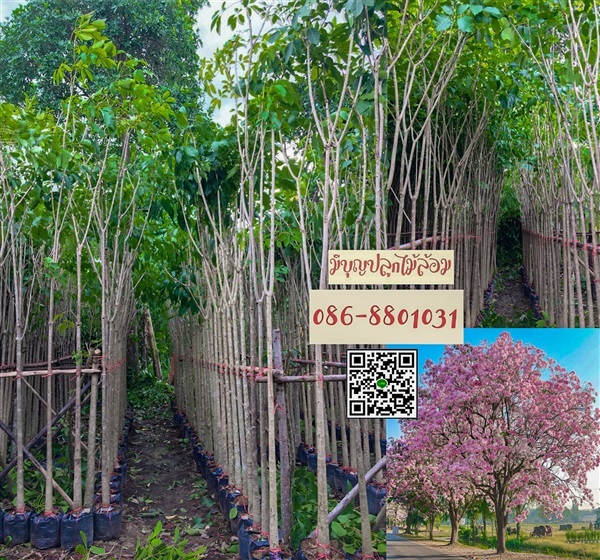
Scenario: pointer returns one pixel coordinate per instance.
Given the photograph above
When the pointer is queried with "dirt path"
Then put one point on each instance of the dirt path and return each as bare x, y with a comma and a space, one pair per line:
162, 485
510, 301
508, 306
165, 486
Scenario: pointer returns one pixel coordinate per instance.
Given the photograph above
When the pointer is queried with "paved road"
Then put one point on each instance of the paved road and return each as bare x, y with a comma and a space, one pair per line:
398, 548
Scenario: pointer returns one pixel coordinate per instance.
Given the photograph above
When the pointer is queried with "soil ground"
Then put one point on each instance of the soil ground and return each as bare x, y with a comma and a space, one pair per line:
508, 306
162, 485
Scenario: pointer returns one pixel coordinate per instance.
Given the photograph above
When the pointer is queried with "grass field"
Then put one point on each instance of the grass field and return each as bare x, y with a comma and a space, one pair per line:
555, 545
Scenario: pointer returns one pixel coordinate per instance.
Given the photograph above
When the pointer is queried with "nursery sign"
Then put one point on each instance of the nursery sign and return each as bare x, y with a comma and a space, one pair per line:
391, 267
386, 316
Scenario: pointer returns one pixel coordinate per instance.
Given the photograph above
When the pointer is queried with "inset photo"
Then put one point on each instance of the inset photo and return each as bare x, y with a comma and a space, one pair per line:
504, 455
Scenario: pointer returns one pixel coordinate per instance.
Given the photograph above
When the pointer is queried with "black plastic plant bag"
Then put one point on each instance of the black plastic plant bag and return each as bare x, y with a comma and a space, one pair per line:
375, 498
249, 541
331, 467
44, 530
108, 522
302, 455
71, 527
16, 527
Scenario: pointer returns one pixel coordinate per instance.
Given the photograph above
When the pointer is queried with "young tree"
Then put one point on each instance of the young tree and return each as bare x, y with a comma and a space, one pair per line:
488, 417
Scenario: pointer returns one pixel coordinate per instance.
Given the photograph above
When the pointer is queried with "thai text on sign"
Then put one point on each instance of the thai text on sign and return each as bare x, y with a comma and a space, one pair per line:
391, 267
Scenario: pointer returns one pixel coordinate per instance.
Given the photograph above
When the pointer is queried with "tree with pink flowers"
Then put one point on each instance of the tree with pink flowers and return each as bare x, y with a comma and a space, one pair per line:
416, 479
508, 423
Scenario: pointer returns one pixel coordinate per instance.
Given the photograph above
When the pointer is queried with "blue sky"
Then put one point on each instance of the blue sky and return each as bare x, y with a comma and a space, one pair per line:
573, 349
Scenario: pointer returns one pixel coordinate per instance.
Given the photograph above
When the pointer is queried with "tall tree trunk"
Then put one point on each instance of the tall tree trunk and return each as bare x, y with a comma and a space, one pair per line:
152, 342
500, 530
454, 519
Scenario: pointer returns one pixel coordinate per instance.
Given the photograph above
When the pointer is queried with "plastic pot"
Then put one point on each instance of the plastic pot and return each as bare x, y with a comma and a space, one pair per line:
222, 492
71, 527
208, 465
302, 456
211, 479
215, 480
235, 522
44, 530
16, 527
331, 468
121, 470
108, 522
312, 461
227, 497
339, 479
249, 541
375, 498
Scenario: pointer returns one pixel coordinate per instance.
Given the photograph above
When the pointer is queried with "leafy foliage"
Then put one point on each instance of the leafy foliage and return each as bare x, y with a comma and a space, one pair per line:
156, 549
37, 39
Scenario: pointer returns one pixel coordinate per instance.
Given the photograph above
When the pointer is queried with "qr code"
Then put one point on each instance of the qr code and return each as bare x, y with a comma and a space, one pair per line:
382, 383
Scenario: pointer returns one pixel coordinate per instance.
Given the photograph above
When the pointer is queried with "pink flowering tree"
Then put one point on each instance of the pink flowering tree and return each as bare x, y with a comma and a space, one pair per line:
490, 424
417, 478
410, 483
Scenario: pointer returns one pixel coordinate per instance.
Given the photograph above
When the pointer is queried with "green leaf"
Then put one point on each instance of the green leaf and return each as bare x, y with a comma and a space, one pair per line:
233, 513
476, 9
442, 23
492, 11
97, 550
99, 24
448, 10
465, 24
313, 36
508, 34
355, 7
288, 52
338, 530
363, 107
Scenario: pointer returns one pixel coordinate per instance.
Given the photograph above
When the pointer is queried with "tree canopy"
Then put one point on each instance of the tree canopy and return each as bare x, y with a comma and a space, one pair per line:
38, 38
